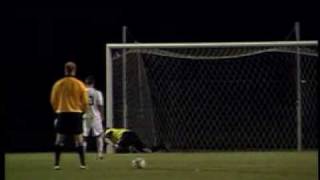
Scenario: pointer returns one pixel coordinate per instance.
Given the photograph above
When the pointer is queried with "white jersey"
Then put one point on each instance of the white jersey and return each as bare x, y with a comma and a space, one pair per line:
92, 117
95, 100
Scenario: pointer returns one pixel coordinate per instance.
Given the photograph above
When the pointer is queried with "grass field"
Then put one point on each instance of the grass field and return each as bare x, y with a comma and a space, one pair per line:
168, 166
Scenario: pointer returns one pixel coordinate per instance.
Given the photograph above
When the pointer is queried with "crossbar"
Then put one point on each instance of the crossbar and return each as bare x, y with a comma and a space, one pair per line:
213, 45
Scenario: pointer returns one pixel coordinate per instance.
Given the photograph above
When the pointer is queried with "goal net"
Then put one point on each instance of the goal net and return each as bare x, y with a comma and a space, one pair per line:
215, 96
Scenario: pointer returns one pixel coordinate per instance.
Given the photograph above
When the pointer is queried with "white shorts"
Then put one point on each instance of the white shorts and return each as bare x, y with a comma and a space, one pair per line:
92, 124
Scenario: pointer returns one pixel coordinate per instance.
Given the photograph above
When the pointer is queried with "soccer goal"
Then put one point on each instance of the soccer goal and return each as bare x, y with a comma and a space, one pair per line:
215, 96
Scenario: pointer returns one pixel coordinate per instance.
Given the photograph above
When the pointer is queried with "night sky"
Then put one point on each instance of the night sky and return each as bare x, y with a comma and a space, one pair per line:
44, 39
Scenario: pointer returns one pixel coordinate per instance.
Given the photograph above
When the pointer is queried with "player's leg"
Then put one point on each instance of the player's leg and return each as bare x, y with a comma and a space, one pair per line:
85, 144
86, 130
58, 145
100, 144
160, 147
55, 123
77, 131
137, 143
59, 127
79, 147
97, 131
124, 143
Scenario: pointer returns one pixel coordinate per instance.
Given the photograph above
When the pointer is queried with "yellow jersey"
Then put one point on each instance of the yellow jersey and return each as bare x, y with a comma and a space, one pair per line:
69, 95
116, 134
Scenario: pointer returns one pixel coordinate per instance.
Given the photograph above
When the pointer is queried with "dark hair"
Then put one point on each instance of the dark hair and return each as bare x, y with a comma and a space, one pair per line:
90, 80
109, 134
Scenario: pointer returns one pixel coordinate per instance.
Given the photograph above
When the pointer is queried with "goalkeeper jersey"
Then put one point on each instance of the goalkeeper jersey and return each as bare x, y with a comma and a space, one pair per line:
69, 95
116, 134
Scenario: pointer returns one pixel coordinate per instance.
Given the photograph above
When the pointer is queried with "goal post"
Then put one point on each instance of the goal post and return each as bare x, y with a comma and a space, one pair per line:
214, 96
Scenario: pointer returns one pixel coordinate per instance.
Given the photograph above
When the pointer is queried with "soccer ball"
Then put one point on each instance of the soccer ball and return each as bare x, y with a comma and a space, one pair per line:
138, 163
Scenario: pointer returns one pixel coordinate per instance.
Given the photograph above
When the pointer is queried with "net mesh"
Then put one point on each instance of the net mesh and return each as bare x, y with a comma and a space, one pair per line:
198, 99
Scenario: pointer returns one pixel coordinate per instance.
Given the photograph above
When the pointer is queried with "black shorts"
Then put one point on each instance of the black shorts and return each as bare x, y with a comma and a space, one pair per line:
69, 123
128, 139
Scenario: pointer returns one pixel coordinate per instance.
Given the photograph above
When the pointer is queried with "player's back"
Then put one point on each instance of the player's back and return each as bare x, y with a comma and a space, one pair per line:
95, 100
68, 95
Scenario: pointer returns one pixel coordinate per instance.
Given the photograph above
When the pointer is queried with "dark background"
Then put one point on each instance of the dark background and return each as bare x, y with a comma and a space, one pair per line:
43, 39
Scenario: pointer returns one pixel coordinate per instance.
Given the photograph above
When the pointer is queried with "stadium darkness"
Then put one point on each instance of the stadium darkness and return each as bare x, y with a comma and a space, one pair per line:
44, 39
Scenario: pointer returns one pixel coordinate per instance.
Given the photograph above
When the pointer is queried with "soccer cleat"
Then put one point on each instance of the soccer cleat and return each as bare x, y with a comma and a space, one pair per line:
83, 167
56, 168
100, 156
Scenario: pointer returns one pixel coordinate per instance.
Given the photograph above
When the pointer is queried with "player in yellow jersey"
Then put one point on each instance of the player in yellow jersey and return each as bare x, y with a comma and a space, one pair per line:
125, 140
69, 99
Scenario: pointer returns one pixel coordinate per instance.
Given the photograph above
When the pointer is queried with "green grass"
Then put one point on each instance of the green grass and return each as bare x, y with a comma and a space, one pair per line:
168, 166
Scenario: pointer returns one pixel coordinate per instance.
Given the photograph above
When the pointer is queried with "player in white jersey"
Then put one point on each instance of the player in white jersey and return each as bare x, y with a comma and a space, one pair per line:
94, 116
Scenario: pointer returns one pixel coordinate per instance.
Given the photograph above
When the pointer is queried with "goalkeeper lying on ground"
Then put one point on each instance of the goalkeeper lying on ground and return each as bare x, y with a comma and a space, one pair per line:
126, 140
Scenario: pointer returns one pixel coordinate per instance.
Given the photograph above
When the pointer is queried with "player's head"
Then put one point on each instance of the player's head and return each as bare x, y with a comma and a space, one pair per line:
90, 81
108, 132
70, 68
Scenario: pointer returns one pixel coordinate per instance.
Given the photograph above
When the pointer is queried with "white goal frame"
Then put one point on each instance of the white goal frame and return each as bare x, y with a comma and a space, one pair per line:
123, 46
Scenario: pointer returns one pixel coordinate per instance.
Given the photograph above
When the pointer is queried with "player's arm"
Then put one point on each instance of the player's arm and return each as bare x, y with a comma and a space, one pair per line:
101, 105
103, 120
54, 97
108, 141
101, 109
84, 98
